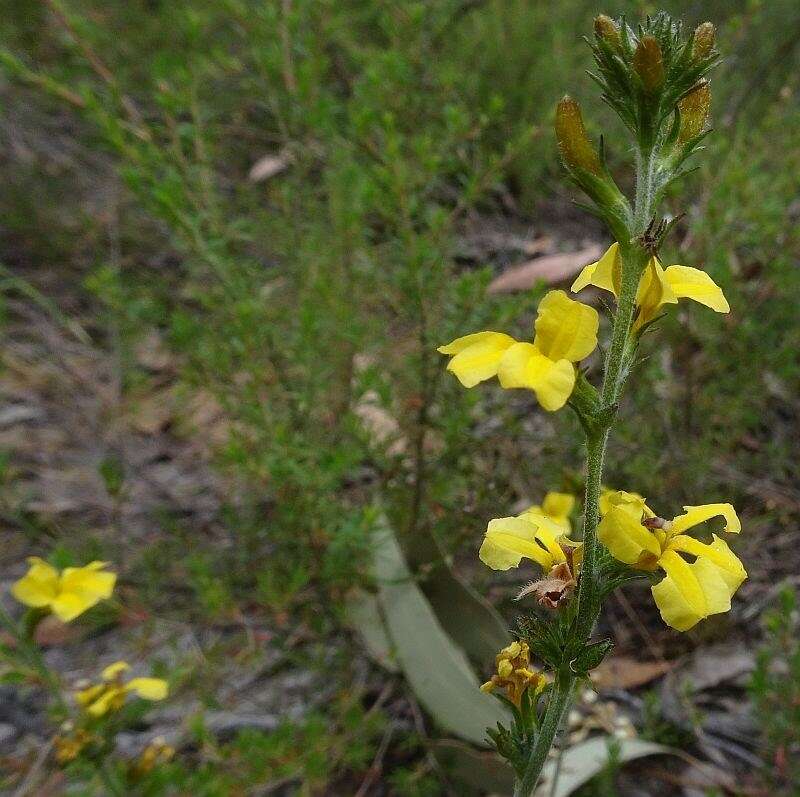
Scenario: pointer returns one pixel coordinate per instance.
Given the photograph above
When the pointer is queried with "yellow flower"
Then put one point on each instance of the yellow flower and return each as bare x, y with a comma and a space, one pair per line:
67, 594
556, 507
534, 536
514, 673
690, 591
565, 333
157, 752
110, 695
657, 286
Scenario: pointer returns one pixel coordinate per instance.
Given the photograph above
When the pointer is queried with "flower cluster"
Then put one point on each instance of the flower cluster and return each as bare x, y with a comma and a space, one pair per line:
689, 591
514, 674
110, 695
67, 594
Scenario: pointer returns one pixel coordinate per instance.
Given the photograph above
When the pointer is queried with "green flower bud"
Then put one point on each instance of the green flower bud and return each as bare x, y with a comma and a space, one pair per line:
648, 62
703, 41
573, 143
694, 108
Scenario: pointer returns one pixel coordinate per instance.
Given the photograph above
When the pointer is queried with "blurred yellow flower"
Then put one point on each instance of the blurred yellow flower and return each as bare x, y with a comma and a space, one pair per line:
690, 591
556, 507
110, 696
514, 673
565, 332
657, 286
67, 594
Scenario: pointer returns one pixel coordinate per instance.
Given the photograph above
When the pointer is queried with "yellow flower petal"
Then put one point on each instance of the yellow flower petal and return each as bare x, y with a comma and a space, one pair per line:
112, 698
675, 610
565, 329
653, 292
685, 580
632, 502
621, 531
113, 671
80, 588
549, 533
694, 515
717, 553
476, 356
716, 591
507, 540
39, 586
523, 365
85, 696
558, 505
605, 273
692, 283
148, 688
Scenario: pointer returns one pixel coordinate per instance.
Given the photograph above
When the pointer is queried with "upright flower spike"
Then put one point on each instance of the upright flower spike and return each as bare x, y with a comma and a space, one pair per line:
110, 695
658, 286
67, 594
689, 591
565, 333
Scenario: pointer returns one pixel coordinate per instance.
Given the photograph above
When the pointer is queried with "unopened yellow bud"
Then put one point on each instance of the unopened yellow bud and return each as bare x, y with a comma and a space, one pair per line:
703, 41
505, 668
605, 28
648, 62
488, 687
573, 143
694, 108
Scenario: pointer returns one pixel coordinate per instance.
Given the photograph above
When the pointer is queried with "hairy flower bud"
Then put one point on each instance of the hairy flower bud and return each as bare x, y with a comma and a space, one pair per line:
605, 28
573, 143
648, 62
694, 108
703, 41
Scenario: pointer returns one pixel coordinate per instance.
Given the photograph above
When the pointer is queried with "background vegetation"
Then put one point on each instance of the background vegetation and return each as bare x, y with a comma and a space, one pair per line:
233, 234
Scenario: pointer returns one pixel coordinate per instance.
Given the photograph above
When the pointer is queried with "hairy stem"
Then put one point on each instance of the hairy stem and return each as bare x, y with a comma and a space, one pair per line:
634, 259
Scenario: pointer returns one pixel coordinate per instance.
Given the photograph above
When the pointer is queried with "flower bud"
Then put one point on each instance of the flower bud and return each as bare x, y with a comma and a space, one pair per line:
605, 28
648, 62
576, 149
703, 41
694, 109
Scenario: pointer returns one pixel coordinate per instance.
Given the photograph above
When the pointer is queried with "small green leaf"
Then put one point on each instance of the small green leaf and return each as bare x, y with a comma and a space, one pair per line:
591, 656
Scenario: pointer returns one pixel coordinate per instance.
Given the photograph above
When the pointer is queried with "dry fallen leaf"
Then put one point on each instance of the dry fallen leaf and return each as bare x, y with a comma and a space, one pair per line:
551, 269
621, 672
51, 632
268, 166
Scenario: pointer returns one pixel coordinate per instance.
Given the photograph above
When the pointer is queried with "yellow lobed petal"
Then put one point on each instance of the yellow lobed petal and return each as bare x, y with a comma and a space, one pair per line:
692, 283
113, 671
717, 553
549, 532
565, 329
39, 586
558, 505
675, 610
112, 698
694, 515
684, 578
654, 292
508, 540
621, 531
86, 696
476, 356
80, 588
632, 502
148, 688
605, 273
524, 366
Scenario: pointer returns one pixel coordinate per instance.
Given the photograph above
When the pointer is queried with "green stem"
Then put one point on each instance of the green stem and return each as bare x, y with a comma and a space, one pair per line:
634, 259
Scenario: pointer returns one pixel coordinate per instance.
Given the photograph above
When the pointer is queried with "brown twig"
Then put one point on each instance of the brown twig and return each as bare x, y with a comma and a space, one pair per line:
376, 767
